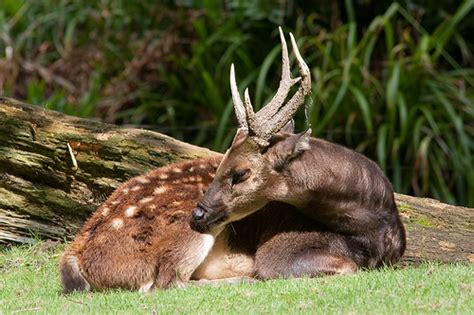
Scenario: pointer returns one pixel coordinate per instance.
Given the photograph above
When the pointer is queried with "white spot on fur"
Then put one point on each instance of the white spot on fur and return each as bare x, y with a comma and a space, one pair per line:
192, 178
146, 200
117, 223
136, 188
201, 189
115, 202
130, 212
202, 166
146, 287
152, 207
159, 190
176, 203
163, 176
143, 180
125, 191
177, 170
191, 169
105, 211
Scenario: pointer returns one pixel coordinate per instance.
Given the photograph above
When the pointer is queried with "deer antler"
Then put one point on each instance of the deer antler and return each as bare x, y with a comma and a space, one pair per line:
271, 118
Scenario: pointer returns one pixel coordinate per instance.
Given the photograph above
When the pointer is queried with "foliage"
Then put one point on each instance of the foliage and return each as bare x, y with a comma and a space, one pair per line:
393, 81
29, 283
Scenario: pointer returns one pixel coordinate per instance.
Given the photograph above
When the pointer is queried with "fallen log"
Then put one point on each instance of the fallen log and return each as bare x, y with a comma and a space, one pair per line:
56, 169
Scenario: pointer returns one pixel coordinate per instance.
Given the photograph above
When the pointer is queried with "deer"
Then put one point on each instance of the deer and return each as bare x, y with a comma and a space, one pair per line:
343, 192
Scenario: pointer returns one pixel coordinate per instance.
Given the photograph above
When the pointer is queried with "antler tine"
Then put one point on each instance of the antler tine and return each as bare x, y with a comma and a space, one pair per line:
286, 82
253, 124
237, 101
287, 112
249, 110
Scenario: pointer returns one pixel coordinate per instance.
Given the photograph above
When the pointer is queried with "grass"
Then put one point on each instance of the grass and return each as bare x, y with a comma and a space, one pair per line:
29, 284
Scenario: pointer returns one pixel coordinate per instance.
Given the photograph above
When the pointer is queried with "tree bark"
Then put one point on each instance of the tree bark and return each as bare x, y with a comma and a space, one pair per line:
56, 169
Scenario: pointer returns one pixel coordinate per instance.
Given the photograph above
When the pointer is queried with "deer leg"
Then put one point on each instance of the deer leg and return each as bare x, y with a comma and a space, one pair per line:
297, 254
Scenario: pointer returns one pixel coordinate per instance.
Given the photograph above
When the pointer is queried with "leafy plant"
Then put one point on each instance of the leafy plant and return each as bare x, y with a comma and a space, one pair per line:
408, 106
396, 87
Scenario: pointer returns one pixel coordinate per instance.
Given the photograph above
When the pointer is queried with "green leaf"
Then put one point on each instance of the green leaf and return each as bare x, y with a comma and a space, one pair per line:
382, 147
364, 108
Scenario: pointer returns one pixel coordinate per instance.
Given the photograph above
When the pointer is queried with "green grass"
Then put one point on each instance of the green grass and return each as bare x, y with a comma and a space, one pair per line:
29, 283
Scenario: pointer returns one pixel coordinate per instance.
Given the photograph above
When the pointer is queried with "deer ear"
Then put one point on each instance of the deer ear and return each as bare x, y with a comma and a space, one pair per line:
240, 135
280, 135
302, 143
289, 127
292, 148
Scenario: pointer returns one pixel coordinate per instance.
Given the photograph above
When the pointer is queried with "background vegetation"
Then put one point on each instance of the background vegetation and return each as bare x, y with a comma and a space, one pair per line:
392, 80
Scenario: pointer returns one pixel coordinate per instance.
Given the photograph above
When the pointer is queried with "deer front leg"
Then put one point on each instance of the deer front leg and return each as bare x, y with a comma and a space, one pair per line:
297, 254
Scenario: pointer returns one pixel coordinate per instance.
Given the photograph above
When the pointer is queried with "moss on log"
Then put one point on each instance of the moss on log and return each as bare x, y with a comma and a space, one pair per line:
436, 231
56, 169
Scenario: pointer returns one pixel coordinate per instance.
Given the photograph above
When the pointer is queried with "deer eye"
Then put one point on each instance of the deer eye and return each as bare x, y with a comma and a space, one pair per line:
240, 176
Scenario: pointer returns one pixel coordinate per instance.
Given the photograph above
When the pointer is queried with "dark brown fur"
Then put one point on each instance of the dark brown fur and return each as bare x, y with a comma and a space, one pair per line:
340, 190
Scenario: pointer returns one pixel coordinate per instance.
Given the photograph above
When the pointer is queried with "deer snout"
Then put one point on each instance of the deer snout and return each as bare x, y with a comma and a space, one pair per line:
198, 214
204, 218
198, 219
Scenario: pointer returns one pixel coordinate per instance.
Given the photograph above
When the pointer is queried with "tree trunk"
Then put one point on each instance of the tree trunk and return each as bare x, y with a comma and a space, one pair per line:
56, 169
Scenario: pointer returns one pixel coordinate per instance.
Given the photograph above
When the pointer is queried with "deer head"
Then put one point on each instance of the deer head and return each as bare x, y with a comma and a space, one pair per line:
251, 172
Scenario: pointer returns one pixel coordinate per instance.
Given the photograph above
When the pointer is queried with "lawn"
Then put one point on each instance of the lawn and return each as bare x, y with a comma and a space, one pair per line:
29, 283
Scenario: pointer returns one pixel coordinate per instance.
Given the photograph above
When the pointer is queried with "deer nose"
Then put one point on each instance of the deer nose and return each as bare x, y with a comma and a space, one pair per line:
198, 214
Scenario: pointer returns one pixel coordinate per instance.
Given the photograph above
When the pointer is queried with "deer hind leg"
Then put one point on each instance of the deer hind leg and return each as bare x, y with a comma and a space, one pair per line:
297, 254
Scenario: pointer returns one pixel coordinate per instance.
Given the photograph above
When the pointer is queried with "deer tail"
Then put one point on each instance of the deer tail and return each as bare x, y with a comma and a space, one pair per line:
71, 275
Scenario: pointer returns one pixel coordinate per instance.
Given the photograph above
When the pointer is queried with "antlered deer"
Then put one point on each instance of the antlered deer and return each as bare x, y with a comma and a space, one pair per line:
341, 190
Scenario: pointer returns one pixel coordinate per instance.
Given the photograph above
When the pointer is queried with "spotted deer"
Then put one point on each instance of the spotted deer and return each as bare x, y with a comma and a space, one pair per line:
341, 191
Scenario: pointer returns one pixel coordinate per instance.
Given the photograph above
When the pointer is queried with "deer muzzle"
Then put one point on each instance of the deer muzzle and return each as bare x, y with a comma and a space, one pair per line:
204, 218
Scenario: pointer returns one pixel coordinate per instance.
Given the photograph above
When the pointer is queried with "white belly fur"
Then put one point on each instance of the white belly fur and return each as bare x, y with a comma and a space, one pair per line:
222, 263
